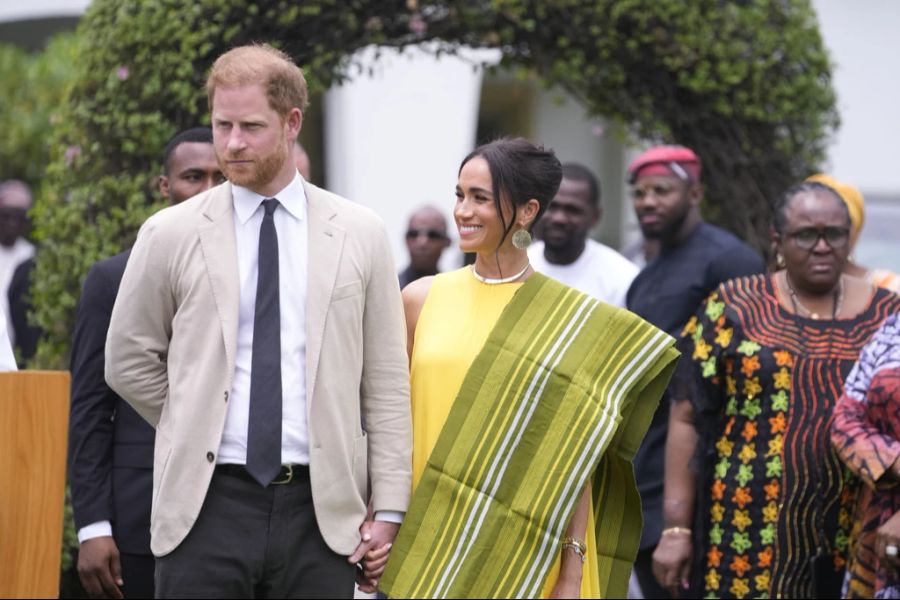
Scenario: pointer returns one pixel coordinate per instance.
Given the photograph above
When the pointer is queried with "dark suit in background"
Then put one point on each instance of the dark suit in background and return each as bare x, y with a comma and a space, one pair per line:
110, 446
25, 334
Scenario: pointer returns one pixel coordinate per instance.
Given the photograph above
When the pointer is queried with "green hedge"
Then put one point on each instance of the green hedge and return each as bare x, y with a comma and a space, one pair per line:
746, 84
34, 86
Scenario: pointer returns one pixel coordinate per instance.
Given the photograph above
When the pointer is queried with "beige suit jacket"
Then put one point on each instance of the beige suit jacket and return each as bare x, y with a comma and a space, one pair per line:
171, 350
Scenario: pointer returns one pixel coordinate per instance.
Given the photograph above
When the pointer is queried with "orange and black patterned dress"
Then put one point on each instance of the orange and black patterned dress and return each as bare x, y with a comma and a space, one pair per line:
866, 434
774, 500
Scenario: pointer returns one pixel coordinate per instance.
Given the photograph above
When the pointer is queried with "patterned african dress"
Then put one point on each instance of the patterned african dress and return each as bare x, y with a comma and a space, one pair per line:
865, 433
774, 500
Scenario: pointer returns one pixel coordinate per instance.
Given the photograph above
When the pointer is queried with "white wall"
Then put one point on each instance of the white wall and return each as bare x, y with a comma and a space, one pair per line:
16, 10
864, 46
561, 123
394, 141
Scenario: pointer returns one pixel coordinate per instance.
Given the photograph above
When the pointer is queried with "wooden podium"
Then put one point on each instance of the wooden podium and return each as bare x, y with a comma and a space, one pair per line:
34, 421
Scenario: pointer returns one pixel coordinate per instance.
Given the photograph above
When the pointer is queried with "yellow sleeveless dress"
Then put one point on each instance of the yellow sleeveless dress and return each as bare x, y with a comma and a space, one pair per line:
458, 315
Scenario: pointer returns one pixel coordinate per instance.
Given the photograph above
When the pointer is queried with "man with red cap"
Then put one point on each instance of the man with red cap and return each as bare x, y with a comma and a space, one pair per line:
694, 258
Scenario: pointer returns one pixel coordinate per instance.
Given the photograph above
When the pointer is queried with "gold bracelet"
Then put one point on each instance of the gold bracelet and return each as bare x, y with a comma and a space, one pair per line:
577, 546
674, 530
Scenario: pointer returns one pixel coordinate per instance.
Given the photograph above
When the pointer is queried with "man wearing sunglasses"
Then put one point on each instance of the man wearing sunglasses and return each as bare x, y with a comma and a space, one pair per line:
426, 238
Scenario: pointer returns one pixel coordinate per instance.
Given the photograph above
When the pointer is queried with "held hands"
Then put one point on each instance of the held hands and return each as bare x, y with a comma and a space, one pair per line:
373, 551
672, 560
99, 568
887, 543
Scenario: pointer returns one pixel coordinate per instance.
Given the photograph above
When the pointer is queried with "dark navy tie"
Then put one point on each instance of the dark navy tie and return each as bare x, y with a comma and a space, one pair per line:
264, 429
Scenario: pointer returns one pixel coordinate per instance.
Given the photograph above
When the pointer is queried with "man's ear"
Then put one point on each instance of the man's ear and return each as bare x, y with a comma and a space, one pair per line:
598, 216
695, 193
294, 122
164, 186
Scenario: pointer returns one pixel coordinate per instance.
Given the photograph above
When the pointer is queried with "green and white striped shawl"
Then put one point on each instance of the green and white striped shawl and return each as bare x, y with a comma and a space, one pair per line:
563, 390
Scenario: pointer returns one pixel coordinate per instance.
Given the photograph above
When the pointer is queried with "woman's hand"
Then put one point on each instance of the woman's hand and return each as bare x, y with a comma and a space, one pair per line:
672, 561
566, 587
887, 543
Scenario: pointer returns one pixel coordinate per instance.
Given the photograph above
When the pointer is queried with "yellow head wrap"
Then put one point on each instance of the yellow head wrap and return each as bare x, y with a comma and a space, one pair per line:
852, 197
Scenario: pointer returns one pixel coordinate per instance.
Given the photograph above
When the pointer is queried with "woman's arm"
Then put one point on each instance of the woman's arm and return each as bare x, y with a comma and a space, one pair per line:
568, 585
673, 554
864, 448
413, 300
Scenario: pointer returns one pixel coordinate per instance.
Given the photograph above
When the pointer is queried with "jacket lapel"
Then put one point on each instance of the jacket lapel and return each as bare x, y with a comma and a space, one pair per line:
219, 248
326, 243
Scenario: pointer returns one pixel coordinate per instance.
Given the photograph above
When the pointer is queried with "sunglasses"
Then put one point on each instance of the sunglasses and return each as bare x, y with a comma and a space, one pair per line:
807, 237
431, 234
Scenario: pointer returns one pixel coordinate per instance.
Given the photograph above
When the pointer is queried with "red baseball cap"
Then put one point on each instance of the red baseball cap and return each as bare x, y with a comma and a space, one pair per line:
679, 161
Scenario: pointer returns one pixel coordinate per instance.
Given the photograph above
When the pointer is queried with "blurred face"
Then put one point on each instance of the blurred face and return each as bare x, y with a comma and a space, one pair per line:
477, 219
192, 169
816, 240
426, 238
661, 204
13, 224
570, 216
252, 141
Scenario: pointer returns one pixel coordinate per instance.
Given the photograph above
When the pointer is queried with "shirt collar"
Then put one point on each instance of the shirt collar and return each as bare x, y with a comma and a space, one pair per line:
292, 198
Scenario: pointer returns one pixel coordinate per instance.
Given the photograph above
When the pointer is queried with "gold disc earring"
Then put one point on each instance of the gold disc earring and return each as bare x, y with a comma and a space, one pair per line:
521, 239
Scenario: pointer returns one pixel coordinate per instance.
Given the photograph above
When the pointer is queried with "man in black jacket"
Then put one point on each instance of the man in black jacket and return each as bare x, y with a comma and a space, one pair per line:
694, 257
110, 446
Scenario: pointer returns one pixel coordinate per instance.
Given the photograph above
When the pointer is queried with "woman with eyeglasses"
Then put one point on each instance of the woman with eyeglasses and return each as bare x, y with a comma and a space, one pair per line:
856, 204
764, 506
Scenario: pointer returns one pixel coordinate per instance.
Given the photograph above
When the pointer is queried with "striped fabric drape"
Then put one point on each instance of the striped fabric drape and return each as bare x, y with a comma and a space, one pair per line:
563, 390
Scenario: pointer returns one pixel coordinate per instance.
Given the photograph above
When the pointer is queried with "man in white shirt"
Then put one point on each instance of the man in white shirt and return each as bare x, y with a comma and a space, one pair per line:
565, 251
259, 327
7, 360
15, 201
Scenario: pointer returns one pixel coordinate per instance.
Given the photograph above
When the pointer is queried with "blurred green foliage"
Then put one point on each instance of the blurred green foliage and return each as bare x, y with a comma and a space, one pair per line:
34, 86
745, 84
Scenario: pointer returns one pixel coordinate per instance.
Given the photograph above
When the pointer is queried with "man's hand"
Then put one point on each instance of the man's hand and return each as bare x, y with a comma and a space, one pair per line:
99, 568
672, 562
373, 551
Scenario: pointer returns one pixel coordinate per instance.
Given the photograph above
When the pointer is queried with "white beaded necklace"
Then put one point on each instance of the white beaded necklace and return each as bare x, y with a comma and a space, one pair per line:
492, 281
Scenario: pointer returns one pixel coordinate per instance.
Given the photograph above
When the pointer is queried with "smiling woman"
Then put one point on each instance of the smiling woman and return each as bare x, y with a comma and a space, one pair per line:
767, 359
515, 396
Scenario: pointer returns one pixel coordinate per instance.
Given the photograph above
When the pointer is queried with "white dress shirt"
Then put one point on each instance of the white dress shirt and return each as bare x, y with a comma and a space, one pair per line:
291, 228
600, 271
7, 360
10, 258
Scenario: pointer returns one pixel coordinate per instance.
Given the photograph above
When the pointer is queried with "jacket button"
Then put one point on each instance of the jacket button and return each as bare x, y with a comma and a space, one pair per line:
226, 396
210, 456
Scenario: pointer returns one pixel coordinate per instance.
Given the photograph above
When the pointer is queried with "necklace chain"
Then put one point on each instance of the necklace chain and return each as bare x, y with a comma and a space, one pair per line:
836, 302
497, 281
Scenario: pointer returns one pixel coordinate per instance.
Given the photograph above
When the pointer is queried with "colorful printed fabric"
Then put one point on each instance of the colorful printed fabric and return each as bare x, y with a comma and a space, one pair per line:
563, 390
866, 434
765, 384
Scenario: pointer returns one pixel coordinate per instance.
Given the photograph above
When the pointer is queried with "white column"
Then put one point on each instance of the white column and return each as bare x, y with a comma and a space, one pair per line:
394, 140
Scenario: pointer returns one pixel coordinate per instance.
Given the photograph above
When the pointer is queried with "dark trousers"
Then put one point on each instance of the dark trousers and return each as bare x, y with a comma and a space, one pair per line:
643, 569
255, 542
137, 572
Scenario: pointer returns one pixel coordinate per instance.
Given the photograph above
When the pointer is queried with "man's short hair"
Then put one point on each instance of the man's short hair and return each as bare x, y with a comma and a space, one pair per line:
261, 64
202, 135
578, 172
